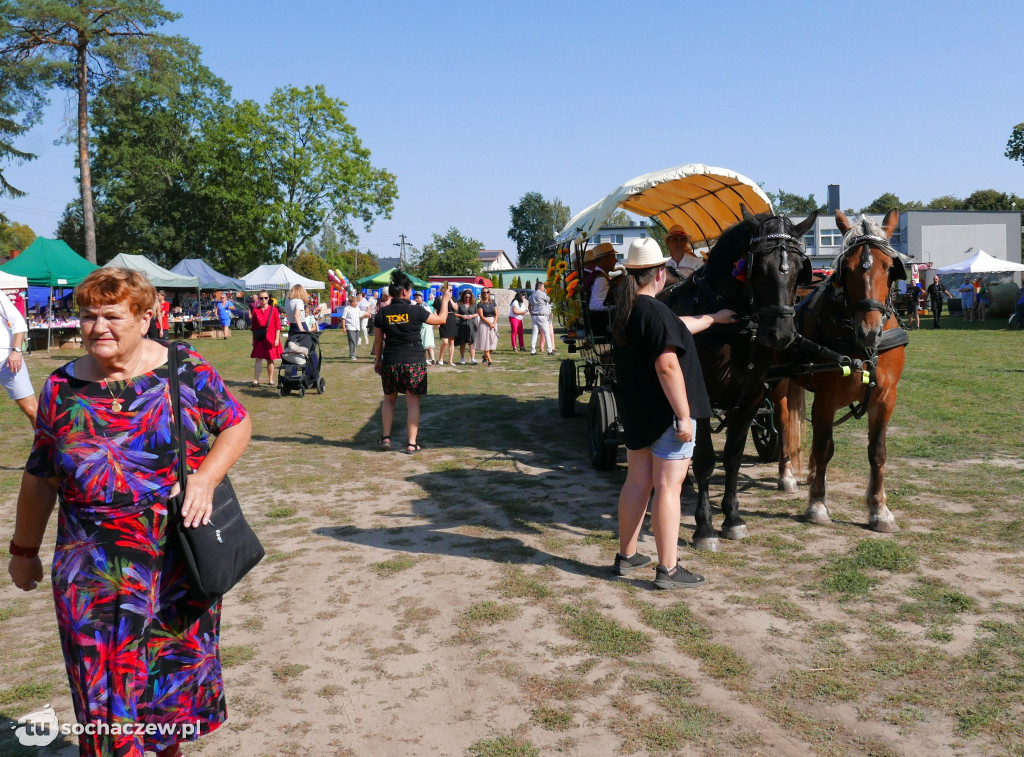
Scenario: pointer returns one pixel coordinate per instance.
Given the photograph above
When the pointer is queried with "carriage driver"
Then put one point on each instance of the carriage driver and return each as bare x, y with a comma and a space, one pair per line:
684, 261
598, 263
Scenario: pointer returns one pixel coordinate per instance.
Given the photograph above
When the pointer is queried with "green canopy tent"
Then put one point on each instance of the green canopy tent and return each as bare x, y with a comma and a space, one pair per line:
384, 278
50, 263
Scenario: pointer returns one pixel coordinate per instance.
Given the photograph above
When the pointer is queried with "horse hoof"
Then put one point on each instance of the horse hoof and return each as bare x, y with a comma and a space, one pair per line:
788, 485
818, 514
735, 533
707, 545
884, 526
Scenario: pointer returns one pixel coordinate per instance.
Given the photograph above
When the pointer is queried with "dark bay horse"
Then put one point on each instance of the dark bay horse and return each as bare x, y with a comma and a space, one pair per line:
850, 313
754, 269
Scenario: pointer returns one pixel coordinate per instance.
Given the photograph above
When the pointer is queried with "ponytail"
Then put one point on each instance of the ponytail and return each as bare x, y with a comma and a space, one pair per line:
625, 299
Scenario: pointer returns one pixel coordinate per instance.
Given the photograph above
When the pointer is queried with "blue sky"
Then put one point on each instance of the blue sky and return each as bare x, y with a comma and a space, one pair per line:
473, 104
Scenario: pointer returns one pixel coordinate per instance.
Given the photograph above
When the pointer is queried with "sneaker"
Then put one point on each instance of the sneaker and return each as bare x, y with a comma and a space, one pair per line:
681, 578
474, 363
463, 362
352, 358
551, 352
626, 565
533, 352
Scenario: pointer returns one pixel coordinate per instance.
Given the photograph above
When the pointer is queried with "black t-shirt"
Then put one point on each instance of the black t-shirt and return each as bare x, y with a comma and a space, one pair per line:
643, 407
400, 321
935, 293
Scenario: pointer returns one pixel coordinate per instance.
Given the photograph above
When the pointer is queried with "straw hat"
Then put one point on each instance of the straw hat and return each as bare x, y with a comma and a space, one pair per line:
644, 253
598, 251
677, 231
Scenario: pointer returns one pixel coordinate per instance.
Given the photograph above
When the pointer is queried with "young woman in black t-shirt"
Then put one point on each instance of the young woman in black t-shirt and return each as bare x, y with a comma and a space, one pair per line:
659, 389
399, 351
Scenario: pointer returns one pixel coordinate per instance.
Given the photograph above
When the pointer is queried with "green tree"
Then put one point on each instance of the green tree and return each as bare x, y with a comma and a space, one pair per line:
946, 202
532, 228
15, 236
449, 254
618, 218
794, 204
1015, 145
991, 199
152, 164
320, 168
560, 214
77, 44
310, 265
885, 202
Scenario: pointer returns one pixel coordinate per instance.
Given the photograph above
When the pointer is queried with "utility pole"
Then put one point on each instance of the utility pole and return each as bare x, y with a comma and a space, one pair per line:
401, 252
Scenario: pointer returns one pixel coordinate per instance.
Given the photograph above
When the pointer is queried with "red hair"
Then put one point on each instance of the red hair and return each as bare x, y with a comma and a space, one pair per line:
112, 286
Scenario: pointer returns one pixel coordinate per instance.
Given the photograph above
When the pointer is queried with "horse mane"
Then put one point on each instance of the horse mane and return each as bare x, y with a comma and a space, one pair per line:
865, 227
730, 247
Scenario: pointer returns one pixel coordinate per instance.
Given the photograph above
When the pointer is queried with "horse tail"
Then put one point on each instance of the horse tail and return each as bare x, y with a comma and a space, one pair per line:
797, 404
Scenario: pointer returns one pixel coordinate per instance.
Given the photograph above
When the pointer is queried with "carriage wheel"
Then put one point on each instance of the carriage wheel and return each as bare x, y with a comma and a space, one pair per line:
320, 386
767, 440
604, 446
283, 391
568, 389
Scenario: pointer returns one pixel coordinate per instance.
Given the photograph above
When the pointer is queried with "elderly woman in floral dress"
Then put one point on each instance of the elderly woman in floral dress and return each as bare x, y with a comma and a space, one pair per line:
140, 650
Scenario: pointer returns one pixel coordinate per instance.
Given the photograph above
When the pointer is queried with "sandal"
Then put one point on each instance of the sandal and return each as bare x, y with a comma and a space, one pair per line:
384, 443
412, 449
255, 383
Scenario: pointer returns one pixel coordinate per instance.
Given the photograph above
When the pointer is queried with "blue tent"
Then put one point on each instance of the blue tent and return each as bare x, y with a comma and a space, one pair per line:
208, 277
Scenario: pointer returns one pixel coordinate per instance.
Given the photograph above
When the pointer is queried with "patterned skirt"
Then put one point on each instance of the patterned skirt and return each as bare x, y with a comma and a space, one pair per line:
137, 649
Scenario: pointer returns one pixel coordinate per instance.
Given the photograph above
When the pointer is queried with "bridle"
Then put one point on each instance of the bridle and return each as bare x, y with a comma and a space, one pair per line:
764, 244
865, 242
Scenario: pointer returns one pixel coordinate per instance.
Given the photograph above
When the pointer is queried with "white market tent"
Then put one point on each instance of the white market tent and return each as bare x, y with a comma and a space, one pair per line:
158, 276
277, 277
981, 262
702, 199
10, 281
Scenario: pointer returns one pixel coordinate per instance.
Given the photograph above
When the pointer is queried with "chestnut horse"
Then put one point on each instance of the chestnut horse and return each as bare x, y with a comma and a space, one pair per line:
849, 319
754, 269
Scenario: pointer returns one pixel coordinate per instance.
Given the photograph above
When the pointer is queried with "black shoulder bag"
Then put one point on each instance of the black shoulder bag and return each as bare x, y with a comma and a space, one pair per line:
219, 554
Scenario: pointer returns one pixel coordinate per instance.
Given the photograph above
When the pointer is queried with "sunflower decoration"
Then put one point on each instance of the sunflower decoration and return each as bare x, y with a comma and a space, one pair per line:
562, 266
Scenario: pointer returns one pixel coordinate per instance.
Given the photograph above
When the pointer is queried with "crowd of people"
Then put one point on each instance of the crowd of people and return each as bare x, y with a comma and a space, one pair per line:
139, 645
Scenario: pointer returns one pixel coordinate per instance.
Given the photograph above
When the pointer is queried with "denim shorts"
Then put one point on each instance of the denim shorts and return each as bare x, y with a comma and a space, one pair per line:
668, 447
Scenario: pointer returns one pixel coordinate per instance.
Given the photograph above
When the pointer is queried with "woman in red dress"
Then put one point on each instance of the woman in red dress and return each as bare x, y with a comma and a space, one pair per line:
266, 343
165, 313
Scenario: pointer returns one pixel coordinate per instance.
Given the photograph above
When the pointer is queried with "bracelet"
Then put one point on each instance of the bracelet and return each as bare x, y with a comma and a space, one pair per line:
17, 551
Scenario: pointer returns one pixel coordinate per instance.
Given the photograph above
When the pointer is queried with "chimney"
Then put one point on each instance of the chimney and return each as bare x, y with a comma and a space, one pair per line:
833, 198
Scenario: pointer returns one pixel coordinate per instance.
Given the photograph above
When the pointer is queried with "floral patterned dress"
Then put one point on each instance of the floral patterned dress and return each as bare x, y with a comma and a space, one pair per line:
137, 648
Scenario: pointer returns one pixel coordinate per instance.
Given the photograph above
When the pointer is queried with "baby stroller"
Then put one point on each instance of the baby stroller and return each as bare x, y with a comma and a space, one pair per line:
300, 364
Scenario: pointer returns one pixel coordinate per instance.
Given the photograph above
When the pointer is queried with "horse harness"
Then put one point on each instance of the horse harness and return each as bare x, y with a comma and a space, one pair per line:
829, 302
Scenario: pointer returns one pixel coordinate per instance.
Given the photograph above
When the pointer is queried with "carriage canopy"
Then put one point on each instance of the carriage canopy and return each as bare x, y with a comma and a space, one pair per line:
702, 199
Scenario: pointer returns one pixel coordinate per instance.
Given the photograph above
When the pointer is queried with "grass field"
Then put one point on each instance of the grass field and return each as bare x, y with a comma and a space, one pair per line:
459, 602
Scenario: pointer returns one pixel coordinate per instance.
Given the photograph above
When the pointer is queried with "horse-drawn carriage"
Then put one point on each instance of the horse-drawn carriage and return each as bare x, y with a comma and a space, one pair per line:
842, 340
705, 201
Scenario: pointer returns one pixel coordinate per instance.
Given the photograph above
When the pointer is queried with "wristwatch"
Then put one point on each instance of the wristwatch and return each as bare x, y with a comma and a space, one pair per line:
16, 349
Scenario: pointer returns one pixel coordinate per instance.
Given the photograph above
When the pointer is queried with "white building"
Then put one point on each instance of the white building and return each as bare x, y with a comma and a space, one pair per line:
620, 237
935, 237
495, 260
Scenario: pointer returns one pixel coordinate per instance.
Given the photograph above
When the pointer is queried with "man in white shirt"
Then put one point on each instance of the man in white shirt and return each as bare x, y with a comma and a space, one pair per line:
13, 371
684, 261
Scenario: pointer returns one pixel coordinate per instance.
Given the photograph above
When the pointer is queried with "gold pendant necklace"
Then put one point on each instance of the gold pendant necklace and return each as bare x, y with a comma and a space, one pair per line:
116, 404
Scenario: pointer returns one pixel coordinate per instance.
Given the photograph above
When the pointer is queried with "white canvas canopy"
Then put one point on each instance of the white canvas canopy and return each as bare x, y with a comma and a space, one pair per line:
277, 277
702, 199
981, 262
10, 281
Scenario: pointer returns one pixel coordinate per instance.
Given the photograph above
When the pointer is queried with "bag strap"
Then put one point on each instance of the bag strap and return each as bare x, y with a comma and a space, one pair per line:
173, 361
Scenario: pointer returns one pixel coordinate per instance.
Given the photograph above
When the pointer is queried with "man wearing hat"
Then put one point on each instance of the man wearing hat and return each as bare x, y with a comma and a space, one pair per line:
683, 260
597, 281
